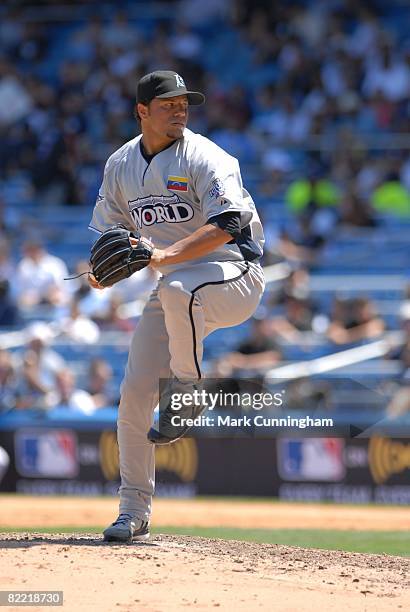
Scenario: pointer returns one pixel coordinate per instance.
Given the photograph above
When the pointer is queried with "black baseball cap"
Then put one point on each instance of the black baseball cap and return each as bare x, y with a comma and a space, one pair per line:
165, 84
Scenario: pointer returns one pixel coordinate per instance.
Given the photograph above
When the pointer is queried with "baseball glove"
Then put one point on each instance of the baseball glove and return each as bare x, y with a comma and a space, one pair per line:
117, 254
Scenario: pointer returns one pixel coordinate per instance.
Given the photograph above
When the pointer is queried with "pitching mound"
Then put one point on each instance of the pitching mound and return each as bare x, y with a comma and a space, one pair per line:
174, 572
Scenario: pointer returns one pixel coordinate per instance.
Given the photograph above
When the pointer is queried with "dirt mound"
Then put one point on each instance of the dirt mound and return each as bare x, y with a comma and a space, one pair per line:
173, 572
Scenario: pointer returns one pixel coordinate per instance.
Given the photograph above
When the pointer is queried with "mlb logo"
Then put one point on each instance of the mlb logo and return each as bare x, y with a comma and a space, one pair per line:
311, 459
46, 453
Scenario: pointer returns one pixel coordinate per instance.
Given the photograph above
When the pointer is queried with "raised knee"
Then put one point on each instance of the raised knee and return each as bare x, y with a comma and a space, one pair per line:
173, 289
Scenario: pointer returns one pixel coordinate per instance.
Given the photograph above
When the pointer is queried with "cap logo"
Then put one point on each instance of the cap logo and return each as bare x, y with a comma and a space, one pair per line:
179, 80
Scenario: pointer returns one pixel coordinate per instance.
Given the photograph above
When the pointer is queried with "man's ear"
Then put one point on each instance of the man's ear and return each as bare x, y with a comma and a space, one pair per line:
141, 110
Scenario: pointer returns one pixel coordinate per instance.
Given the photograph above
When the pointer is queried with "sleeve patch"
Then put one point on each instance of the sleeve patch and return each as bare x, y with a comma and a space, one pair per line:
217, 188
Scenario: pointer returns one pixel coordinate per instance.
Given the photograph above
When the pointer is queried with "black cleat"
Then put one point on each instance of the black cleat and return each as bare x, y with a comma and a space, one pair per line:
172, 421
126, 529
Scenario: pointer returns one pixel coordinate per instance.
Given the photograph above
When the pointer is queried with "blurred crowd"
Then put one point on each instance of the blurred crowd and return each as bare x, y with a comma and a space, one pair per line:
303, 74
312, 97
38, 378
33, 375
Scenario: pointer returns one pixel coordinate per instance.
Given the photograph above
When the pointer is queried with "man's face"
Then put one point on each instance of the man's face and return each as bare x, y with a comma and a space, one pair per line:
33, 251
166, 118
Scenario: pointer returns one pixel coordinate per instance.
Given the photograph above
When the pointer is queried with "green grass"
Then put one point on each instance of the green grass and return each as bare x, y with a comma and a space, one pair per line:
379, 542
389, 542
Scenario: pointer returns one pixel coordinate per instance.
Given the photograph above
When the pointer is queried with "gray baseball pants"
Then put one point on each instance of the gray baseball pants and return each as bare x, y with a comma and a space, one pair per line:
186, 306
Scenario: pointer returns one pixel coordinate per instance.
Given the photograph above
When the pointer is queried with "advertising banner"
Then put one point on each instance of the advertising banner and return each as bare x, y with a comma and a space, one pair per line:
66, 461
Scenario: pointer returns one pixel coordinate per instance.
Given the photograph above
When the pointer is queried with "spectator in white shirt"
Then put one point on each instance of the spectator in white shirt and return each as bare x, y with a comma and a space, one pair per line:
66, 395
40, 277
79, 327
48, 362
388, 75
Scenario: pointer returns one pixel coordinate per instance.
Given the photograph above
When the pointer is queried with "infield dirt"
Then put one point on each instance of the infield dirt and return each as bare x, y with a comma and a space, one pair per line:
24, 511
180, 572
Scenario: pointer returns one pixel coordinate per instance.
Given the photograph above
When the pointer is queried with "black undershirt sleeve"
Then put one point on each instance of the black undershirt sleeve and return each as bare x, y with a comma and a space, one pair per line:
228, 222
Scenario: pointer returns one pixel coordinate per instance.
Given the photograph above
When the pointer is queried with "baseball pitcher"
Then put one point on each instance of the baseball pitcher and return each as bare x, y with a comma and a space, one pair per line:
175, 201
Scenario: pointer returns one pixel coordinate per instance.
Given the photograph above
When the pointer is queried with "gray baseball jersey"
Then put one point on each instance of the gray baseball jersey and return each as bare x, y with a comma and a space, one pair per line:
169, 198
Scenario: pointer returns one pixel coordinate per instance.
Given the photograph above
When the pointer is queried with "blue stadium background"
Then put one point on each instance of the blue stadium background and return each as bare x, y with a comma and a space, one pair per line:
311, 97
